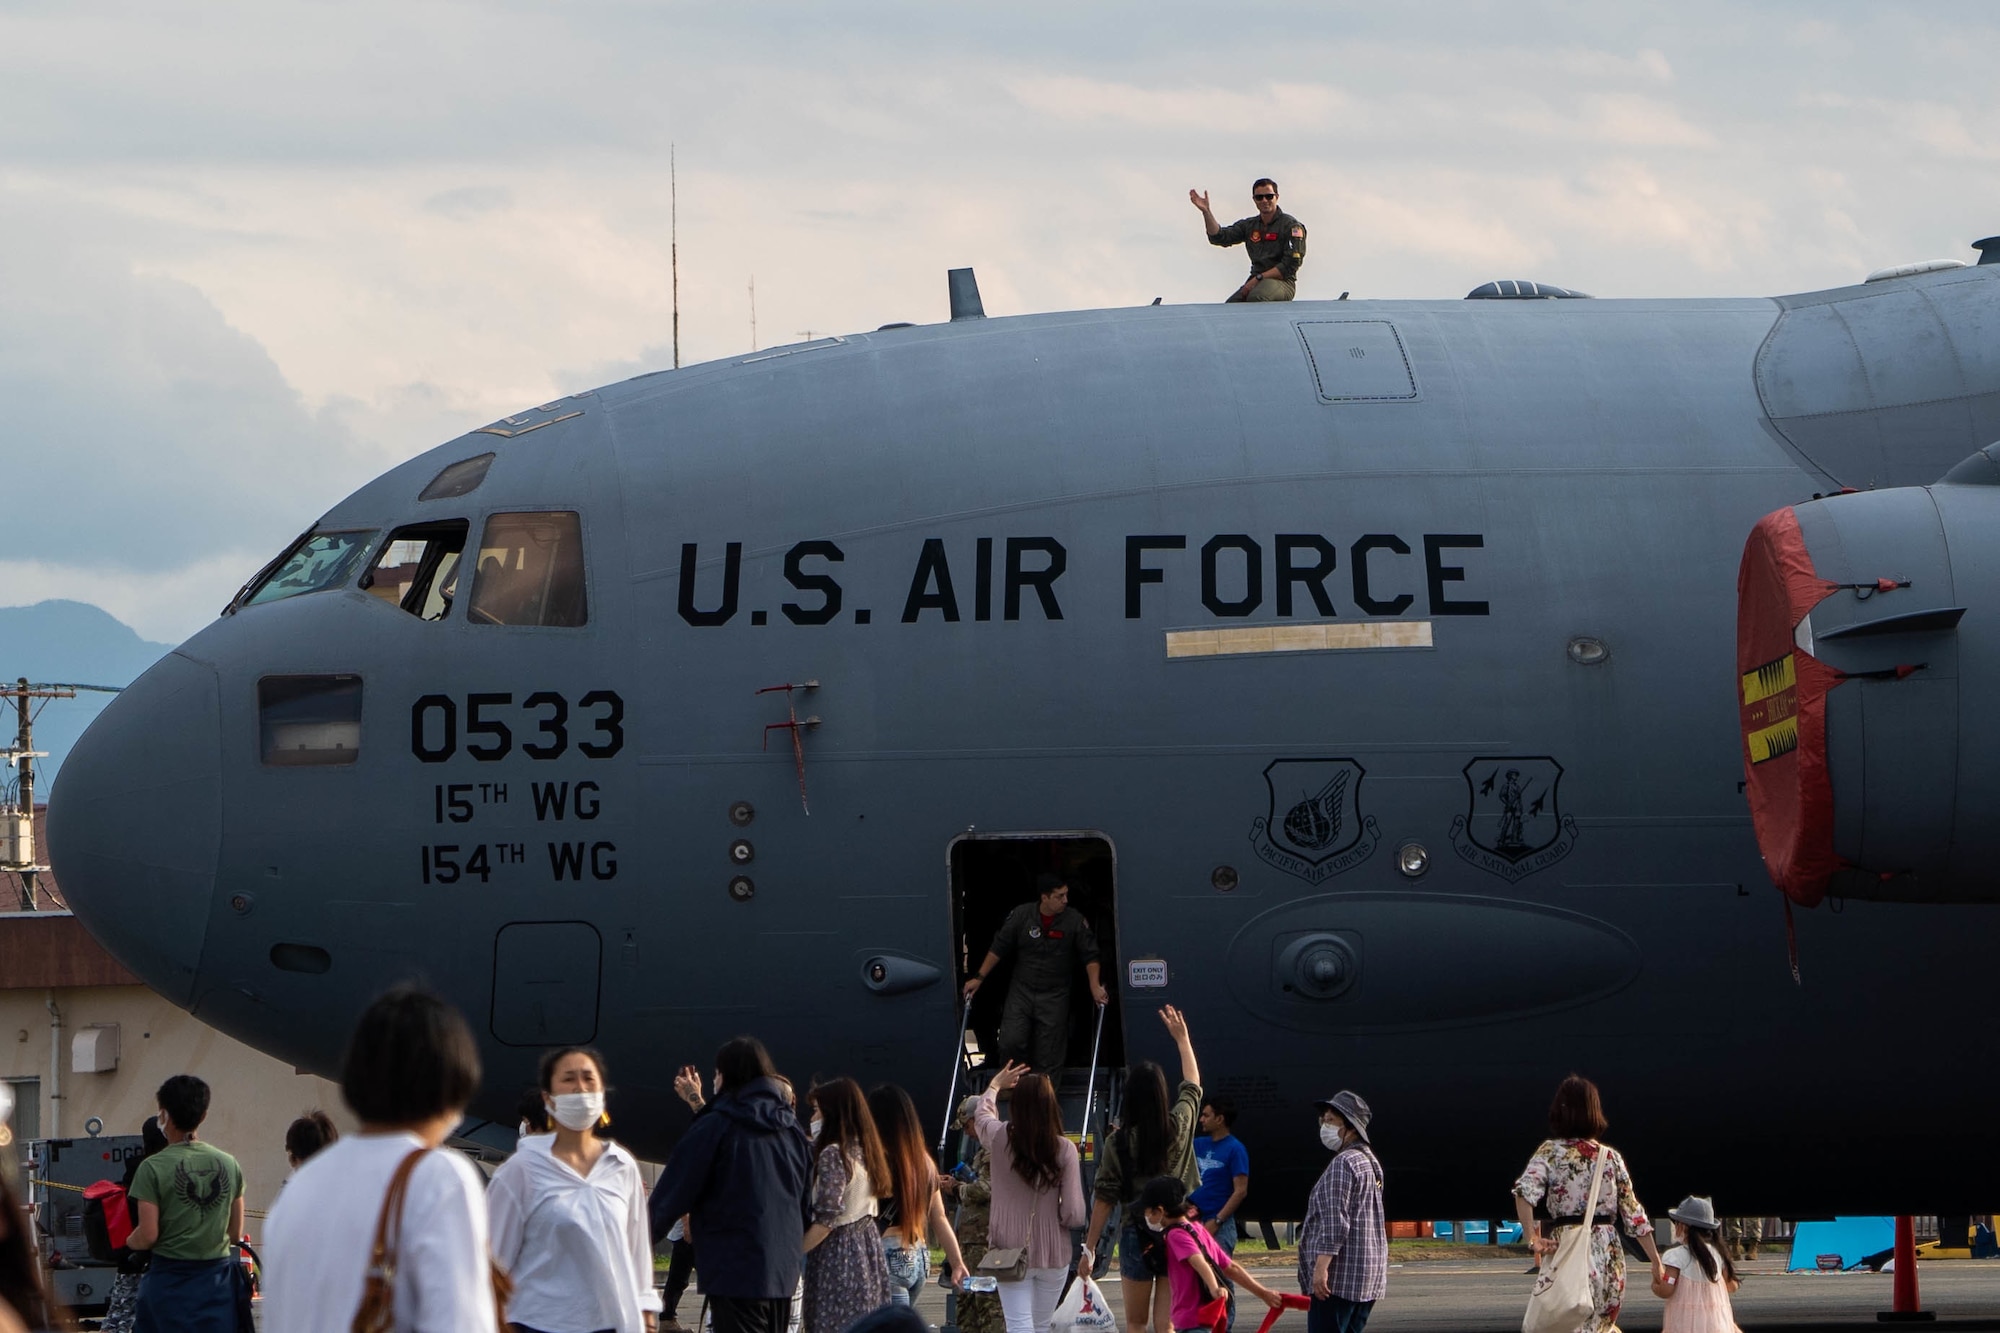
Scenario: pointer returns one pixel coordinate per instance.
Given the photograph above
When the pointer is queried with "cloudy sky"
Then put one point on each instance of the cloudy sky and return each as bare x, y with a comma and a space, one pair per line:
253, 253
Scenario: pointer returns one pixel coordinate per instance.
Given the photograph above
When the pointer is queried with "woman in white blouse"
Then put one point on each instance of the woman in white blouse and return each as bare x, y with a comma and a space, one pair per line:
569, 1215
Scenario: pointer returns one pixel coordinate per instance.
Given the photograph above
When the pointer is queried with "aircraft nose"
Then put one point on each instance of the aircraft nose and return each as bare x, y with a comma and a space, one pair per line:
135, 823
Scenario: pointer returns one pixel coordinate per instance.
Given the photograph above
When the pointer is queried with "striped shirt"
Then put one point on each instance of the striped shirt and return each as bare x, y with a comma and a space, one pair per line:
1344, 1219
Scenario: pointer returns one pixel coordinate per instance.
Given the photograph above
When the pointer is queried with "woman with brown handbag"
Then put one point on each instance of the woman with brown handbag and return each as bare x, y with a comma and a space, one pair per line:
1037, 1196
385, 1230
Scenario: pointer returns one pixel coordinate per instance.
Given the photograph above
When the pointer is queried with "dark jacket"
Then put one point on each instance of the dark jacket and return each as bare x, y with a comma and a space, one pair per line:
742, 1172
1281, 245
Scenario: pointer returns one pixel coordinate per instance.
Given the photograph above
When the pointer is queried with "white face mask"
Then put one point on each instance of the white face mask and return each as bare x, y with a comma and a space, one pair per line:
1330, 1136
817, 1123
577, 1110
1156, 1226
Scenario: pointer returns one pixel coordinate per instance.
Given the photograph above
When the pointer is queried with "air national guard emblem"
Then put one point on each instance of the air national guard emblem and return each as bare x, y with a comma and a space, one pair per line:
1512, 826
1315, 829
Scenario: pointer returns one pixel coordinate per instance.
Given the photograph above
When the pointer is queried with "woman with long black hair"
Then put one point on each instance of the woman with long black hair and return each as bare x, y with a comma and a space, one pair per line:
1155, 1138
909, 1205
845, 1273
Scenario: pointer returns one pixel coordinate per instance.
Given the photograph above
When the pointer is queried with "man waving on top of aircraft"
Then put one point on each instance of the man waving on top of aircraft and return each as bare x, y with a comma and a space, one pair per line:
1275, 239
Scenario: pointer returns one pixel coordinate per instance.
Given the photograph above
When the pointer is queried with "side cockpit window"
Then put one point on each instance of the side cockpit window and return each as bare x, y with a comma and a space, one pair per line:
316, 561
417, 568
304, 720
530, 571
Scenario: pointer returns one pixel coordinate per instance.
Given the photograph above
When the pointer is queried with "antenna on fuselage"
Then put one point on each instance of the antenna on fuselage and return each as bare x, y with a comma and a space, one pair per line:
965, 302
674, 246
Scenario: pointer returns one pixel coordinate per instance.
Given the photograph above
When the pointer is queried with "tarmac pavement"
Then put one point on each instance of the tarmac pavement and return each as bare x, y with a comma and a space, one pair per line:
1488, 1295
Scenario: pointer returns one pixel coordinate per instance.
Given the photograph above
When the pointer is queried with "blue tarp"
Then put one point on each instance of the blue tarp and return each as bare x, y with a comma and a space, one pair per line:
1851, 1238
1475, 1232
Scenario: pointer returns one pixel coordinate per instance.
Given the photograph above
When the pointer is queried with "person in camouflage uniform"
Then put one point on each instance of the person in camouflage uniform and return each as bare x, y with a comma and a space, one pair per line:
1741, 1236
978, 1311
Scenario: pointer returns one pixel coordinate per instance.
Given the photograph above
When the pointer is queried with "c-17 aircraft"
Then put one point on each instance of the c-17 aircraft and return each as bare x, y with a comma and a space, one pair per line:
1424, 696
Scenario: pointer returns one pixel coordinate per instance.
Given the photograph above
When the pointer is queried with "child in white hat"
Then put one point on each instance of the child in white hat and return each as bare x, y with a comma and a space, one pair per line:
1699, 1276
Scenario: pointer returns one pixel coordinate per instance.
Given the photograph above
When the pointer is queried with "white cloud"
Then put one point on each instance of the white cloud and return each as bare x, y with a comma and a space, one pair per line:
1209, 108
253, 253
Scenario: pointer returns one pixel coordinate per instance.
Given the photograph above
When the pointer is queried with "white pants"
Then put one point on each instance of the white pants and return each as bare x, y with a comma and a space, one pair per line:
1029, 1303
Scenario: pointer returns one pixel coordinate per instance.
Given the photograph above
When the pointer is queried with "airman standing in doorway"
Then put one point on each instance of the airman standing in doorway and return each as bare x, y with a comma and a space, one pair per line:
1276, 242
1046, 939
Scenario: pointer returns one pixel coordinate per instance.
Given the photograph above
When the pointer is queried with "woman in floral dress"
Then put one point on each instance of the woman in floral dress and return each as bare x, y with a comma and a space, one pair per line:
845, 1275
1550, 1194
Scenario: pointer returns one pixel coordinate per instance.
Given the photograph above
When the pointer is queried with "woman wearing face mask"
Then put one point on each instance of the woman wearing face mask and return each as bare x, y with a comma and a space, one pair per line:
569, 1215
846, 1276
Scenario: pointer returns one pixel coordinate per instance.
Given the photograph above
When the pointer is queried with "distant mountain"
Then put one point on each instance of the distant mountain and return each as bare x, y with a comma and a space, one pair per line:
66, 641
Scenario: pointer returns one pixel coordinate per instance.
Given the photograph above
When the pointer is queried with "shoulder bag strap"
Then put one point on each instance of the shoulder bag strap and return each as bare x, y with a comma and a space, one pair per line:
389, 1226
1596, 1177
378, 1295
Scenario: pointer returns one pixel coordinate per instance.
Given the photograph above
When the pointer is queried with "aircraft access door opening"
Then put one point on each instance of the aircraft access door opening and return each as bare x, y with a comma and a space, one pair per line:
991, 876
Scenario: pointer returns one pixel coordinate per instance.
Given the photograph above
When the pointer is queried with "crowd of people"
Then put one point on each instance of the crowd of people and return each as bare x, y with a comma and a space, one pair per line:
818, 1218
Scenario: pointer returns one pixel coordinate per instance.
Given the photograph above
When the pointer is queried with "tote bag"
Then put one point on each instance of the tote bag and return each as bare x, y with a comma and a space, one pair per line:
1561, 1300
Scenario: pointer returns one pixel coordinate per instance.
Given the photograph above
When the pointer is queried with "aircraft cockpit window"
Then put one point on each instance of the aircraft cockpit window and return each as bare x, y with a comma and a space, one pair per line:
461, 478
309, 719
530, 571
417, 568
318, 561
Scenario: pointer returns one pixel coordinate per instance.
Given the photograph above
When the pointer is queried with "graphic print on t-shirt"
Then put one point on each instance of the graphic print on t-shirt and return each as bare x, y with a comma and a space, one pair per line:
203, 1188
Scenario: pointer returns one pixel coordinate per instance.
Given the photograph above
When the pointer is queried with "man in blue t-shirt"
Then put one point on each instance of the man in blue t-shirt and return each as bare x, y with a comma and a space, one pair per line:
1225, 1170
1225, 1179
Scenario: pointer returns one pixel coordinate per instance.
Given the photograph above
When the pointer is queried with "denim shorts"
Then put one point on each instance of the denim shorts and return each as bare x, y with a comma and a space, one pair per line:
908, 1267
1131, 1262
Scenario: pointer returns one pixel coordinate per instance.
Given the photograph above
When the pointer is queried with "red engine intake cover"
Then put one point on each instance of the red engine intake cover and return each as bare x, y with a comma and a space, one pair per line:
1782, 690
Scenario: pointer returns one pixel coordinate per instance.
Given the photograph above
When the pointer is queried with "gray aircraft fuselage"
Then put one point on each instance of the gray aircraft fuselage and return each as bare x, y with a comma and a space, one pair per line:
1275, 600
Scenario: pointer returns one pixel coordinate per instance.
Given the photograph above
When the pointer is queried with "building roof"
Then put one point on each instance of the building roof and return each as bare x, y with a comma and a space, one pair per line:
43, 950
46, 947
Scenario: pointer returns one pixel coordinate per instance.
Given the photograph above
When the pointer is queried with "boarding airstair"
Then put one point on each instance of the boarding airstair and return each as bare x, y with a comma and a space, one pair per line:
1089, 1097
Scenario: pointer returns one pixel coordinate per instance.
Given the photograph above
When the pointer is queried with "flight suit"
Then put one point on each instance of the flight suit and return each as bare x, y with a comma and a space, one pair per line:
1280, 245
1034, 1026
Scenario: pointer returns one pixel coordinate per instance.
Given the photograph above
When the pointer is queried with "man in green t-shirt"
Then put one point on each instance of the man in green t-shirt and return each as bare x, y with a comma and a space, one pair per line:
189, 1202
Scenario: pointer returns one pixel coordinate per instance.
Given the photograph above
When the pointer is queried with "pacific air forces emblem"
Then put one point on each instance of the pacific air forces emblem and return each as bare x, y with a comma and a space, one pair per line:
1512, 825
1315, 828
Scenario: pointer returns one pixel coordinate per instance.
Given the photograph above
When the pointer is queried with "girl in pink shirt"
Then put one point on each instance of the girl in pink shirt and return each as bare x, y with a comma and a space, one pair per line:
1194, 1259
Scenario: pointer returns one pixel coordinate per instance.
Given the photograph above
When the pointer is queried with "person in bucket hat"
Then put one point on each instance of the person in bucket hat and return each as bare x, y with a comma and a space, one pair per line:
1344, 1244
1696, 1276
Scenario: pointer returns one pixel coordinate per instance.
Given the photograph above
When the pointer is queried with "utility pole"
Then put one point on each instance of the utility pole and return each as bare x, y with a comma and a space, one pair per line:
753, 312
17, 816
674, 246
807, 334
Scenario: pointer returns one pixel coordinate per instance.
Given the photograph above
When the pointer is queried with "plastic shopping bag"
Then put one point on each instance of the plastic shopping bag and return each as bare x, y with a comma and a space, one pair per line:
1083, 1310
